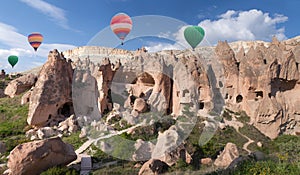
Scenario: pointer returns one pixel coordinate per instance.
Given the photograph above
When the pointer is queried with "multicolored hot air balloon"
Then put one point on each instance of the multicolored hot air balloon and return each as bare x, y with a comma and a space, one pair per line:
12, 59
194, 35
121, 25
35, 40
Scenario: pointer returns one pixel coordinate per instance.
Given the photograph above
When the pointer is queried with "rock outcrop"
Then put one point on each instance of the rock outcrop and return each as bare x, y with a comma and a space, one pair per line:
20, 85
229, 153
261, 82
35, 157
153, 167
52, 99
2, 147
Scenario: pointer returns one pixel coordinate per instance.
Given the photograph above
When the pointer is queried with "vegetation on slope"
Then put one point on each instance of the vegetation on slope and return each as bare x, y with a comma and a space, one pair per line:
13, 123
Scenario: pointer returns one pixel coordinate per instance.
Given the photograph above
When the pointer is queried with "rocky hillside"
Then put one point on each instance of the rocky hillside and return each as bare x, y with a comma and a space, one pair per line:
257, 77
162, 107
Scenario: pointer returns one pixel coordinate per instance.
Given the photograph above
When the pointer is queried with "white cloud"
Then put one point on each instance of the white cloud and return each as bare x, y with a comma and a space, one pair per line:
244, 25
10, 37
155, 47
55, 13
228, 14
18, 45
232, 26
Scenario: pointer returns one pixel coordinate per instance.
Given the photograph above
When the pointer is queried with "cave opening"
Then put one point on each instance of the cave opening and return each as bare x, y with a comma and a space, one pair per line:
265, 61
144, 78
239, 99
66, 109
259, 94
201, 105
238, 65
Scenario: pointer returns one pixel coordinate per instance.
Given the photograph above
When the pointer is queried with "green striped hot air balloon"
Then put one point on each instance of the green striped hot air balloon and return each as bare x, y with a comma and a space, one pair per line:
12, 59
194, 35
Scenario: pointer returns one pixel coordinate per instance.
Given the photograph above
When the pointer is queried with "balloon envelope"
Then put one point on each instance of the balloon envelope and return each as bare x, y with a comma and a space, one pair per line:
35, 40
194, 35
12, 59
121, 25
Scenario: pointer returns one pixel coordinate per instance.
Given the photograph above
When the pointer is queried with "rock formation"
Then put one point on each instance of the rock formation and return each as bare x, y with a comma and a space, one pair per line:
35, 157
20, 85
261, 83
52, 99
229, 153
153, 167
2, 74
104, 77
244, 76
2, 147
250, 77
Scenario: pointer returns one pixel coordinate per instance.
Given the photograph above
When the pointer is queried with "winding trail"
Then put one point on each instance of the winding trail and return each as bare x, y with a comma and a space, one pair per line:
237, 125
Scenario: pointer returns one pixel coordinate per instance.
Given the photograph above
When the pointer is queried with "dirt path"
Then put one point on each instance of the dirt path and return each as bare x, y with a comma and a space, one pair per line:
237, 125
88, 143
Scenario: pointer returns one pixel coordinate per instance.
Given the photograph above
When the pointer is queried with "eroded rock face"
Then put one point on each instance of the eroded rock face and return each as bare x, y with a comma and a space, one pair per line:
261, 82
52, 94
20, 85
104, 78
252, 77
34, 157
229, 153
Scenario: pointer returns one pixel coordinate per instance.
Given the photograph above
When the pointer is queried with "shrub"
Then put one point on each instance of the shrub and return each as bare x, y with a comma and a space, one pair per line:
74, 140
58, 170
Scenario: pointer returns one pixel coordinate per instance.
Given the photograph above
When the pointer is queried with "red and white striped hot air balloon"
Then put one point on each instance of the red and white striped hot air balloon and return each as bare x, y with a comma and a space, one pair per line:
121, 25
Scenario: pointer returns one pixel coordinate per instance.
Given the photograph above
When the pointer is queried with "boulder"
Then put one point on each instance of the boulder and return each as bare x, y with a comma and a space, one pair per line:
143, 150
2, 95
20, 85
206, 161
32, 158
2, 147
140, 105
229, 153
26, 98
167, 148
69, 125
153, 167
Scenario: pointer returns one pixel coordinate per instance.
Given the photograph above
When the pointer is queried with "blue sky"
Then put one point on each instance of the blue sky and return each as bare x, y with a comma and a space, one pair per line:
66, 24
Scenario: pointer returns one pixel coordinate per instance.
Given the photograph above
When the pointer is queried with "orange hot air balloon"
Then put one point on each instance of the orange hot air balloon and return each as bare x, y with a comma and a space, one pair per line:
121, 25
35, 40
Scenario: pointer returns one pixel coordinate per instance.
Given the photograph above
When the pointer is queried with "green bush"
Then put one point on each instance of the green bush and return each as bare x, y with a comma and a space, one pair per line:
287, 148
242, 117
268, 167
58, 170
227, 115
74, 140
219, 140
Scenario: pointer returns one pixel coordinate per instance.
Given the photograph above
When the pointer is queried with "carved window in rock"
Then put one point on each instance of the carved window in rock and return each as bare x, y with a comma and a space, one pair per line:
239, 99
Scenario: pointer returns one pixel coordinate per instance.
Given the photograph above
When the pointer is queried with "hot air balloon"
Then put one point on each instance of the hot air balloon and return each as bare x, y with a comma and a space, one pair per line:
194, 35
121, 25
35, 40
12, 59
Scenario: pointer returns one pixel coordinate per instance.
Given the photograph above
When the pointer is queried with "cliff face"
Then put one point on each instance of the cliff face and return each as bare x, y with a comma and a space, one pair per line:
259, 78
264, 82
